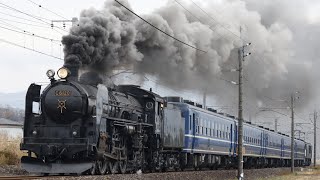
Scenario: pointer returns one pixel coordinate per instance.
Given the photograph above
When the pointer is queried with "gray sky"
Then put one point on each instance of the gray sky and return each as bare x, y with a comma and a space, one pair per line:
20, 67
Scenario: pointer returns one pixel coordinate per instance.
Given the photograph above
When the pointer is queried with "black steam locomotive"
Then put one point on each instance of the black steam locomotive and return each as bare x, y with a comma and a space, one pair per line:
84, 126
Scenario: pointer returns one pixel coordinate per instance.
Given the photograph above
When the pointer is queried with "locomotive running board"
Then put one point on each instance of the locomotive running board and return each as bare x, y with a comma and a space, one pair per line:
34, 165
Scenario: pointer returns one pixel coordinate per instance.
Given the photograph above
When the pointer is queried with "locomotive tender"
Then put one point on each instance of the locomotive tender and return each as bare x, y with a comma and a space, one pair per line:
83, 126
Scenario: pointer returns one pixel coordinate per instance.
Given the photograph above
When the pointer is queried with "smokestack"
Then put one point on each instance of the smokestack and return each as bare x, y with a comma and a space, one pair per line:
74, 72
73, 63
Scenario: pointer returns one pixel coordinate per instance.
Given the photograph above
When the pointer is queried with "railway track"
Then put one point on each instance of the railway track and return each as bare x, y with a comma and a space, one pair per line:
19, 177
27, 177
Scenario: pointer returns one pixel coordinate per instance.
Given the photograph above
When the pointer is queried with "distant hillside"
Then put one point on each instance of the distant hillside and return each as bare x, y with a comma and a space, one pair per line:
15, 100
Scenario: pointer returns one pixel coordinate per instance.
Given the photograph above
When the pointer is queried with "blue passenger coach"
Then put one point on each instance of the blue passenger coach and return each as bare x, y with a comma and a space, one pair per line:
211, 141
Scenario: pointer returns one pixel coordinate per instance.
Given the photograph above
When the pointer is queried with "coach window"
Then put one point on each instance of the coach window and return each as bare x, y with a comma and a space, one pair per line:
217, 125
213, 129
196, 122
206, 131
228, 134
220, 131
245, 135
200, 126
224, 131
190, 123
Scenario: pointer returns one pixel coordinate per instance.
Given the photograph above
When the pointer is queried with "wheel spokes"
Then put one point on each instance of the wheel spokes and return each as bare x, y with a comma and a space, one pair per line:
123, 167
102, 167
92, 170
113, 167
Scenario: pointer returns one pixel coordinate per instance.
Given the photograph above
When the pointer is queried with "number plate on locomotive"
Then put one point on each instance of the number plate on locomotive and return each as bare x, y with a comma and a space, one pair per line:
62, 93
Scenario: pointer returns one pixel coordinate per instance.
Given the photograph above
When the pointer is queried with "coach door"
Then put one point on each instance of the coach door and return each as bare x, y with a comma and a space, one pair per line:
266, 143
194, 129
282, 147
235, 142
262, 144
231, 150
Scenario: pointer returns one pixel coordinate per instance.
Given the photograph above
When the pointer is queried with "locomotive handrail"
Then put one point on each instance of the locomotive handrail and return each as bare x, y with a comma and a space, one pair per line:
45, 140
128, 121
117, 103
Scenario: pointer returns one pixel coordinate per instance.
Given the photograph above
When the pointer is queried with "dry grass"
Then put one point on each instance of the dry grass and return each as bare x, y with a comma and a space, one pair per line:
10, 153
306, 174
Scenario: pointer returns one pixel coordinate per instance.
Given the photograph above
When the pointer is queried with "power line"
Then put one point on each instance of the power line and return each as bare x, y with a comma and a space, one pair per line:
214, 30
8, 42
39, 5
24, 23
21, 18
238, 36
30, 34
160, 29
14, 9
298, 115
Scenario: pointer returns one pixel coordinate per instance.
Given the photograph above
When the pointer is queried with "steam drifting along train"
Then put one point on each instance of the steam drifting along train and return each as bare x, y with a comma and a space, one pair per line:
83, 126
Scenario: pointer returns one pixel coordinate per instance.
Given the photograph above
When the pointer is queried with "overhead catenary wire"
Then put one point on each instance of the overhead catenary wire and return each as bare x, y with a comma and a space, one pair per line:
14, 44
31, 34
30, 15
28, 23
238, 36
4, 6
22, 18
214, 30
39, 5
160, 29
19, 22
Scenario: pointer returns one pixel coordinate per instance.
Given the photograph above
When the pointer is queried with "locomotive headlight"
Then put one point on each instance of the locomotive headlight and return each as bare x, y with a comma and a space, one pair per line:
74, 133
50, 73
34, 132
63, 73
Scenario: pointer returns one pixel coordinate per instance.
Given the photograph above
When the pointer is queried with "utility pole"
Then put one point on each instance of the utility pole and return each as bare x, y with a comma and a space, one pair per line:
292, 133
240, 122
276, 124
315, 116
241, 57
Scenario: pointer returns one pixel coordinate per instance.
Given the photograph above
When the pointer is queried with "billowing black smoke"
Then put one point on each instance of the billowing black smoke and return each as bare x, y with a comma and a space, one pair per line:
112, 38
103, 40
